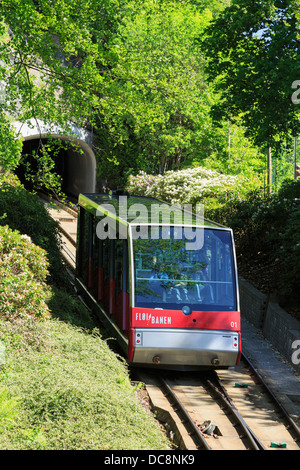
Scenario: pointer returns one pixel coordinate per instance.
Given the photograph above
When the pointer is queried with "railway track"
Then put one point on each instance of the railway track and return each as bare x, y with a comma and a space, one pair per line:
66, 216
228, 409
223, 410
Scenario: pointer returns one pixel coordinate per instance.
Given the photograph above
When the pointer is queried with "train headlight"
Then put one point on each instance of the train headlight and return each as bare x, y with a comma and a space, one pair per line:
156, 359
186, 310
215, 361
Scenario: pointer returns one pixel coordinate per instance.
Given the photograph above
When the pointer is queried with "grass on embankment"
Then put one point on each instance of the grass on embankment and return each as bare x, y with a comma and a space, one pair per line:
62, 388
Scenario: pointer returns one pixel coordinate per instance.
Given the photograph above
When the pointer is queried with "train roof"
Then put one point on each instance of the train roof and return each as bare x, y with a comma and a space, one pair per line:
118, 206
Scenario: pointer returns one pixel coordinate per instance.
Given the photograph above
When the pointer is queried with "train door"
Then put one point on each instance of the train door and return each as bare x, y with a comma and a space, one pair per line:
85, 247
98, 269
103, 261
106, 280
121, 284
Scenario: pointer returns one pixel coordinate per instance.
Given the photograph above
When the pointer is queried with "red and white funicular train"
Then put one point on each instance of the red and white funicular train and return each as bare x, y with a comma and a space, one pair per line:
163, 280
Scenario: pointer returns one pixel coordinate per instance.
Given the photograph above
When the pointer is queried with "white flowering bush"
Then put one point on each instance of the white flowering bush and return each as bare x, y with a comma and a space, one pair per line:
191, 186
23, 271
141, 184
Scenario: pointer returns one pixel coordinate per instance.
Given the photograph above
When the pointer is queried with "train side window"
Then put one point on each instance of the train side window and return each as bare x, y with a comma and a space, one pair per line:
106, 256
121, 266
80, 242
91, 250
98, 268
83, 248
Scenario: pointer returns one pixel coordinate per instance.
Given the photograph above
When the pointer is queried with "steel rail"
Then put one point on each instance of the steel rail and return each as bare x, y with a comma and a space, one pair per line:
67, 235
275, 399
67, 252
255, 442
187, 416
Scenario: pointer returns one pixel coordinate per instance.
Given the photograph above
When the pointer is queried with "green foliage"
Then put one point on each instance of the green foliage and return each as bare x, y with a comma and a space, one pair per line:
50, 68
254, 59
289, 253
65, 305
23, 270
155, 115
26, 213
234, 153
8, 410
267, 233
10, 146
49, 59
135, 71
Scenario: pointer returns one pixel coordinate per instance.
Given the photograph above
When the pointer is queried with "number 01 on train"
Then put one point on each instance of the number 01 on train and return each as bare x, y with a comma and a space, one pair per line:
163, 282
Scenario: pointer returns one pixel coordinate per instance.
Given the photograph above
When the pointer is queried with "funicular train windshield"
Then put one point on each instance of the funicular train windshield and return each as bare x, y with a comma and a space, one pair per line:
171, 275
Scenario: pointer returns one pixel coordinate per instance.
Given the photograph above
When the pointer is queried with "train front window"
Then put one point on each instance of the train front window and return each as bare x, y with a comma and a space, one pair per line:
170, 276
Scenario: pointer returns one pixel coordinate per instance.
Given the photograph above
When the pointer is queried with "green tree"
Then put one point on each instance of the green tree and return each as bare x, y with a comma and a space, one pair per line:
253, 52
234, 153
156, 115
10, 146
49, 61
133, 70
158, 103
52, 65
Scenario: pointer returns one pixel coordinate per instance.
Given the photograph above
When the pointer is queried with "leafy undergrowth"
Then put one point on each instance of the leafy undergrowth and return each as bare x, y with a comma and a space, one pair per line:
65, 389
23, 271
267, 236
61, 387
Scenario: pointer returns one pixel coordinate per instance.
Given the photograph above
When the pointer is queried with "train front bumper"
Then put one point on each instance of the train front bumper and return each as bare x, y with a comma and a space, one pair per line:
186, 347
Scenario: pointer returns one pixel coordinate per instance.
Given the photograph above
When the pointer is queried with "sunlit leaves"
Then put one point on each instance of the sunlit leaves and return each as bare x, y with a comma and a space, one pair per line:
10, 146
159, 95
50, 58
254, 58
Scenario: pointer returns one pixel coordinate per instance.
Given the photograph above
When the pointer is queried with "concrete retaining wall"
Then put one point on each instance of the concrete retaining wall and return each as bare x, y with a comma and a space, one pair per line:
277, 326
253, 303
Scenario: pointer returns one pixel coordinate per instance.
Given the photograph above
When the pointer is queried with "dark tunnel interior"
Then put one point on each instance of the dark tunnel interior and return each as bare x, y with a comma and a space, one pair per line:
75, 164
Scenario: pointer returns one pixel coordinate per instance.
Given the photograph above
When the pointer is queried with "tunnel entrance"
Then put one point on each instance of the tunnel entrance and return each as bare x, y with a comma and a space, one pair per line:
74, 163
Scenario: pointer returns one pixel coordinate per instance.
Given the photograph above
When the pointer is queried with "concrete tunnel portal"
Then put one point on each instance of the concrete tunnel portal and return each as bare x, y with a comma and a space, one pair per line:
76, 164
